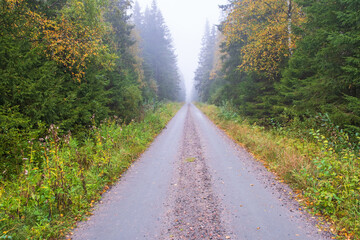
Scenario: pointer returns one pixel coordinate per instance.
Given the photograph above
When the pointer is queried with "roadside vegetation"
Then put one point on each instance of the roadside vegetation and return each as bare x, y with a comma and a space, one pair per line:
319, 160
62, 177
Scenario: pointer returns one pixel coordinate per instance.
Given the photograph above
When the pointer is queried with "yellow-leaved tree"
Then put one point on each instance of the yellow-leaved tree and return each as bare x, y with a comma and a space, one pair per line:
264, 29
75, 37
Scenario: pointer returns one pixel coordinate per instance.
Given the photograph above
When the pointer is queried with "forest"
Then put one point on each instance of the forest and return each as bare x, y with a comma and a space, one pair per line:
80, 86
68, 63
276, 61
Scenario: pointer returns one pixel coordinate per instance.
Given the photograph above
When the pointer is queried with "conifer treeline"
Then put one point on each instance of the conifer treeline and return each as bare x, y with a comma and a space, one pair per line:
72, 62
160, 63
285, 60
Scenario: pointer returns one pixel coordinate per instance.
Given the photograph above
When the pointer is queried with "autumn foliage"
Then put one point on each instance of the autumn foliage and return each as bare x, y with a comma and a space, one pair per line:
73, 42
288, 59
264, 28
72, 39
66, 62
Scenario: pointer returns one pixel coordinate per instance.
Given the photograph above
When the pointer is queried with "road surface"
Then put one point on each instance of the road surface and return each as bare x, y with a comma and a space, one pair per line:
195, 183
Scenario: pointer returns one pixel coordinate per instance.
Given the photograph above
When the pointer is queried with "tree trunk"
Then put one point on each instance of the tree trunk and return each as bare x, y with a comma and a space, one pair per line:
289, 13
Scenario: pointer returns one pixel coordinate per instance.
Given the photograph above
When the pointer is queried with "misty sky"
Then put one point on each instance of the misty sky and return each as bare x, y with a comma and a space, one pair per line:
186, 20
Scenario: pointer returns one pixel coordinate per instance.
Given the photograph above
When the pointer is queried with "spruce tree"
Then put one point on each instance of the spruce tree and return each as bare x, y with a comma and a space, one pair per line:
160, 63
205, 64
323, 74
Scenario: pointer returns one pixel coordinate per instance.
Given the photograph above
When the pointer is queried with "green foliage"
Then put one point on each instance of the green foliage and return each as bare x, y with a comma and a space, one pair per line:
227, 112
13, 132
323, 74
61, 177
317, 74
38, 88
333, 186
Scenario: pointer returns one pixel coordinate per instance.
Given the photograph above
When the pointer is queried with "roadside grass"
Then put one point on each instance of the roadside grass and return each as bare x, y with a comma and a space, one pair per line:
62, 178
323, 170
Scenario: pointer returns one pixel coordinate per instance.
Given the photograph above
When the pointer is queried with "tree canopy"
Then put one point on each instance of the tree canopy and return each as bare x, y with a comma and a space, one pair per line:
71, 62
286, 59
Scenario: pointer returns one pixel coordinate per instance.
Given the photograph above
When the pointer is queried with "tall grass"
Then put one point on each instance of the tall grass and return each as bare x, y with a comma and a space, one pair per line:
321, 164
61, 178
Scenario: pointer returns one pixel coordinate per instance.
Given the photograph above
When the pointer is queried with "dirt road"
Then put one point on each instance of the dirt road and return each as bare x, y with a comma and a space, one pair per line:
195, 183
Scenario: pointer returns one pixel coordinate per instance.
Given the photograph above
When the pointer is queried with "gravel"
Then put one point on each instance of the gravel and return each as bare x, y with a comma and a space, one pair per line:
194, 209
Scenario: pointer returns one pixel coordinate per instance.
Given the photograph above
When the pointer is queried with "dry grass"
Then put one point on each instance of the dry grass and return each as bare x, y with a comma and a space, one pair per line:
280, 154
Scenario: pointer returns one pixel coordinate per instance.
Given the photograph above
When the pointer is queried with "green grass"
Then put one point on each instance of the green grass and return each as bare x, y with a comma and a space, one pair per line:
191, 159
323, 170
62, 178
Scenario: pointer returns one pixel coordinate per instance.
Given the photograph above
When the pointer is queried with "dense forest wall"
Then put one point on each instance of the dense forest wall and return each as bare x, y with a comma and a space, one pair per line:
158, 52
73, 63
286, 60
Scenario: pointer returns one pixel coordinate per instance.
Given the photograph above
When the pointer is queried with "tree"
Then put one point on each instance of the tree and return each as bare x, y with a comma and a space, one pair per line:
265, 28
259, 39
160, 62
323, 74
63, 67
205, 64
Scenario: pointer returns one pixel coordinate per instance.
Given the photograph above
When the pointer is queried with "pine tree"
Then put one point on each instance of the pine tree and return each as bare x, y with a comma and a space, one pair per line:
160, 62
323, 74
205, 64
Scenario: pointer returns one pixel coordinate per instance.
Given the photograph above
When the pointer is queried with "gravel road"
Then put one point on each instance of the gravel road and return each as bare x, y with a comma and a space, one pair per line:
195, 183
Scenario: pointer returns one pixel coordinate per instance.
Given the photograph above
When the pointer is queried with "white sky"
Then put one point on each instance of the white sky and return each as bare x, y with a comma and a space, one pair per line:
186, 20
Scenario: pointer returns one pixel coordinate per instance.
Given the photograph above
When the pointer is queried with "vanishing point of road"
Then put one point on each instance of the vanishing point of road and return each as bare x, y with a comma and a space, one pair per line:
195, 183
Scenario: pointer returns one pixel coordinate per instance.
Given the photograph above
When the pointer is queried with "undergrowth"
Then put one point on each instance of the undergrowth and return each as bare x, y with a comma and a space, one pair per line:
321, 163
62, 178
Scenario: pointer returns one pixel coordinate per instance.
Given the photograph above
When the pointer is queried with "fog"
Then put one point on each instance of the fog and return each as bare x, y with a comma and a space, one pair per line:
186, 21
